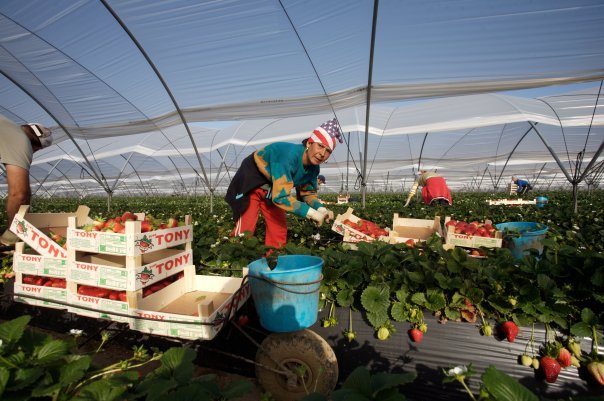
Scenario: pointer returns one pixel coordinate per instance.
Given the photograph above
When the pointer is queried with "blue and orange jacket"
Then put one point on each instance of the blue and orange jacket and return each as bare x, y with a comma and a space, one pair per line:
278, 168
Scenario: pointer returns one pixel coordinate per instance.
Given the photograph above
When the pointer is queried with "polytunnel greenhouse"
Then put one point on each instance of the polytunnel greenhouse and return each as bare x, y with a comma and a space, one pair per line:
191, 88
154, 105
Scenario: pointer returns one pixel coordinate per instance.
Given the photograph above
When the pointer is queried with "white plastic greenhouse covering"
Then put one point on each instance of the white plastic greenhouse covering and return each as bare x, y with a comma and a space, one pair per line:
134, 90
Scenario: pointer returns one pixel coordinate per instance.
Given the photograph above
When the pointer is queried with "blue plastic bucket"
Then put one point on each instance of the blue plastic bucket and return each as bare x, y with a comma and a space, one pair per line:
541, 201
520, 236
287, 297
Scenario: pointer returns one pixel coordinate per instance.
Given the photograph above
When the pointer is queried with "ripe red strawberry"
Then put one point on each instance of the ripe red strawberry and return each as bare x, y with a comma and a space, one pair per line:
172, 222
416, 335
564, 358
551, 369
145, 226
596, 369
118, 228
128, 216
510, 330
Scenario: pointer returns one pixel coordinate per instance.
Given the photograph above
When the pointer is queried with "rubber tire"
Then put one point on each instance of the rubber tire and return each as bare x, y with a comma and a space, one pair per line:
305, 348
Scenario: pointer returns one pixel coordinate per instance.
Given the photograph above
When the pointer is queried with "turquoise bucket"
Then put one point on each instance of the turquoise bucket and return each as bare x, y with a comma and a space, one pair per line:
520, 236
287, 297
541, 201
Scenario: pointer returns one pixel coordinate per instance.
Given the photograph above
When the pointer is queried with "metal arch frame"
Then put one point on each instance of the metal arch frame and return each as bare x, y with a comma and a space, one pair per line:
163, 82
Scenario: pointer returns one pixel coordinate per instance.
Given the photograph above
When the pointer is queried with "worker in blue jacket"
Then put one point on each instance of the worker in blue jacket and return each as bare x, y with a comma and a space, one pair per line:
522, 186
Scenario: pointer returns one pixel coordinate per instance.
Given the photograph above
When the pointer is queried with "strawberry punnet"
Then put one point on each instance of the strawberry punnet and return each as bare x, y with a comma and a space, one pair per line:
510, 330
551, 369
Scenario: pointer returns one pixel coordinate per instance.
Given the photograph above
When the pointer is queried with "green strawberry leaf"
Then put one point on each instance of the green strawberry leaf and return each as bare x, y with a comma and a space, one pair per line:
376, 299
503, 387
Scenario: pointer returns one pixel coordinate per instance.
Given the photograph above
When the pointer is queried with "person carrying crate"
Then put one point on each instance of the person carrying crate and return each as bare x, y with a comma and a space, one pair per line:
266, 178
17, 146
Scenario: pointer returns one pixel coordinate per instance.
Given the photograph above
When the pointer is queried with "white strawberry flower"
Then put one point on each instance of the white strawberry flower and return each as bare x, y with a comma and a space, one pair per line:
76, 332
213, 246
316, 237
457, 370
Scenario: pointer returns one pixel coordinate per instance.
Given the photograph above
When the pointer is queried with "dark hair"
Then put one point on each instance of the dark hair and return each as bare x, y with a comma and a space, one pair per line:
305, 141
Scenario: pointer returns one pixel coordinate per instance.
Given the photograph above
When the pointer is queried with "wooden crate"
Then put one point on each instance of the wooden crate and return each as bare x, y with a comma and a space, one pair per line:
472, 241
129, 273
195, 307
418, 230
33, 229
32, 294
132, 243
28, 261
350, 234
511, 202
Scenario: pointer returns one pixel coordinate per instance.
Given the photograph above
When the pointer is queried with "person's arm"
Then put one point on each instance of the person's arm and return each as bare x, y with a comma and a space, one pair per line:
308, 194
19, 192
412, 192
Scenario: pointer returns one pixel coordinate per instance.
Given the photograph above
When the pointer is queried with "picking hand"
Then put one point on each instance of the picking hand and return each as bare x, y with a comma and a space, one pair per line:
316, 216
328, 214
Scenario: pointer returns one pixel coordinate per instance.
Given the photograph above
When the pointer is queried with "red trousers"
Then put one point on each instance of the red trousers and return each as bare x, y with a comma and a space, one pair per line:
274, 216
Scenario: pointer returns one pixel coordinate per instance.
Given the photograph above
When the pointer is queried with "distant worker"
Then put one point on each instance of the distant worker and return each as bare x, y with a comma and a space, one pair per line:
434, 189
522, 186
17, 146
265, 180
320, 180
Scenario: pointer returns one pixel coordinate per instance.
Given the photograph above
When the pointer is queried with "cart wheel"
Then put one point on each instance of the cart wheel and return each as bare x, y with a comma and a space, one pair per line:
307, 355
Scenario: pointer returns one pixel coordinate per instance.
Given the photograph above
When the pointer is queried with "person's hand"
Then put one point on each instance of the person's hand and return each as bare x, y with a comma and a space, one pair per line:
316, 216
328, 214
407, 203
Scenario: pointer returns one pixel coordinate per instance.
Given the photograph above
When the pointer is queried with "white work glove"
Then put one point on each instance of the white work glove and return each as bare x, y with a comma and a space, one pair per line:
407, 203
328, 213
316, 216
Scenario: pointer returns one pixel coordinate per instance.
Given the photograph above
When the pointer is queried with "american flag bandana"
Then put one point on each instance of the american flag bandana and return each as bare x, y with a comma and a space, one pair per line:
327, 133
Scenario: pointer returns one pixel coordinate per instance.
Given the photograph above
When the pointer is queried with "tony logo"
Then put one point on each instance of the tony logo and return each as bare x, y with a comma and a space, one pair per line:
20, 228
144, 244
145, 276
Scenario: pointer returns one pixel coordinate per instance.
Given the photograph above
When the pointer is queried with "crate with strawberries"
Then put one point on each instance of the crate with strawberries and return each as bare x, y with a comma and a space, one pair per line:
128, 273
129, 234
108, 303
474, 234
355, 229
34, 289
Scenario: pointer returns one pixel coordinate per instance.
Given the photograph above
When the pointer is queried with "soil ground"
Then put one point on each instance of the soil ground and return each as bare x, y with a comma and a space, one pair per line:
58, 323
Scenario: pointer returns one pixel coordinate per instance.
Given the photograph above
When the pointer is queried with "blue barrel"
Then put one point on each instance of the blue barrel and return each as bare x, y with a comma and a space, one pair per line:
541, 201
287, 297
519, 236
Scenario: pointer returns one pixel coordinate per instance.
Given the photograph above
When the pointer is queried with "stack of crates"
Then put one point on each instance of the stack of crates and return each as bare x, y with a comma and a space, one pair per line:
145, 279
109, 272
41, 269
